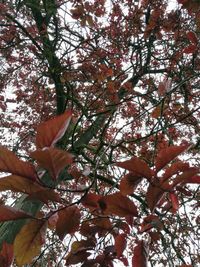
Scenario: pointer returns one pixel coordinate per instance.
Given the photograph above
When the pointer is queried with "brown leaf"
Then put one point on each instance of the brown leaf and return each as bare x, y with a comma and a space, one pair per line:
137, 166
45, 196
68, 221
120, 244
49, 132
52, 159
174, 169
10, 163
118, 204
139, 255
28, 241
91, 201
6, 255
10, 213
168, 154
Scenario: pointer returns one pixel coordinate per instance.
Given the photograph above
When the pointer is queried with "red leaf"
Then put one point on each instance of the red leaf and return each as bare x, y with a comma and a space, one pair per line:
120, 244
52, 159
49, 132
20, 184
190, 49
185, 176
128, 183
9, 162
10, 213
140, 255
6, 255
91, 201
192, 37
118, 204
68, 221
168, 154
153, 196
174, 169
193, 180
137, 166
174, 201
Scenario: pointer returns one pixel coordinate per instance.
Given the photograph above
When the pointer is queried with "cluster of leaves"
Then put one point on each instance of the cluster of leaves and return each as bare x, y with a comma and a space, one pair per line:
117, 180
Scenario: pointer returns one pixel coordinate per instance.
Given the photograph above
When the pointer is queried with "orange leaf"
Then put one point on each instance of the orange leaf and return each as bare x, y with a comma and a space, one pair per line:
168, 154
9, 162
128, 183
153, 196
140, 255
118, 204
10, 213
52, 159
6, 255
49, 132
68, 221
120, 244
137, 166
28, 241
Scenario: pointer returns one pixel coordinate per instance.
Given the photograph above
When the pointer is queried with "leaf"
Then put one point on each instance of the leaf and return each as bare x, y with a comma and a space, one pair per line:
138, 166
120, 244
91, 201
6, 255
9, 213
28, 241
193, 180
9, 162
192, 37
153, 196
128, 183
140, 255
52, 159
34, 190
168, 154
68, 221
190, 49
118, 204
174, 201
175, 168
49, 132
185, 176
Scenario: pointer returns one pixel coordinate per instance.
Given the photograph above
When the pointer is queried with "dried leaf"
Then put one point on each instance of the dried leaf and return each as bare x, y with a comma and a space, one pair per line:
118, 204
52, 159
10, 163
168, 154
28, 241
137, 166
6, 255
68, 221
49, 132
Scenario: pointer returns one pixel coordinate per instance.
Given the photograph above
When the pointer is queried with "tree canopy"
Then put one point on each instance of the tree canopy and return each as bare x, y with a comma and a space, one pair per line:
99, 110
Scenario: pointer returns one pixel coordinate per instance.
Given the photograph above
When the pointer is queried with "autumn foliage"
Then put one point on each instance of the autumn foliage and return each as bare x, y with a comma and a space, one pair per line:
99, 152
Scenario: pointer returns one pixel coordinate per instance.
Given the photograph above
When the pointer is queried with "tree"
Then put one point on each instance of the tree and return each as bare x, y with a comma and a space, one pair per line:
102, 100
